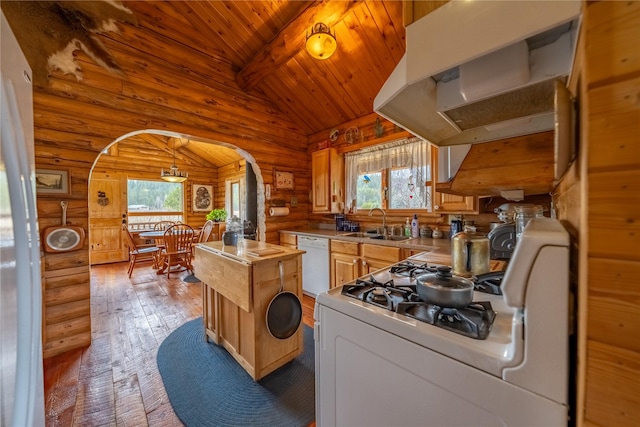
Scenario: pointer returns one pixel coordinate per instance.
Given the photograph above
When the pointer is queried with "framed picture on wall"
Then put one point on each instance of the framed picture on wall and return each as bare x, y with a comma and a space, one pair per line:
202, 197
52, 181
283, 180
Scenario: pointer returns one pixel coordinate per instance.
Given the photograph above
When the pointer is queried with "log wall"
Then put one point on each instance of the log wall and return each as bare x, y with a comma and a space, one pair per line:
609, 215
74, 121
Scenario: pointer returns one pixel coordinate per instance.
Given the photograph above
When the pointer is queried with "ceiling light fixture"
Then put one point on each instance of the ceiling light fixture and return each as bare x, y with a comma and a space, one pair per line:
173, 174
321, 43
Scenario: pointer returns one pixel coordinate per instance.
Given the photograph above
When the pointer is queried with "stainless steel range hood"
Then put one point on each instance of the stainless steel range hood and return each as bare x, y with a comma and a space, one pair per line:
482, 70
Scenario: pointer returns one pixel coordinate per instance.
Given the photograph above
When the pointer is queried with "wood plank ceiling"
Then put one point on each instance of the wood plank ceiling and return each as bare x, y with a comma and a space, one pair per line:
264, 42
250, 50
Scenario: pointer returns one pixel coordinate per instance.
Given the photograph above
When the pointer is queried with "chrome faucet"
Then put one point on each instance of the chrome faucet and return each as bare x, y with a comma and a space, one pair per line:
384, 218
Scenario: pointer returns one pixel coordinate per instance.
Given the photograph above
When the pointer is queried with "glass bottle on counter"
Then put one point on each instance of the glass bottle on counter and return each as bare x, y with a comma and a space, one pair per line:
524, 213
407, 228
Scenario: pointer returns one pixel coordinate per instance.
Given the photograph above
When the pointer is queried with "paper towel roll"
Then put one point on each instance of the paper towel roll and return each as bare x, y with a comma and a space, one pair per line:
279, 211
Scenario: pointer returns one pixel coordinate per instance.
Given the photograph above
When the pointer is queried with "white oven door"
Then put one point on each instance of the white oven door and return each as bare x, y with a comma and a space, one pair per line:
368, 377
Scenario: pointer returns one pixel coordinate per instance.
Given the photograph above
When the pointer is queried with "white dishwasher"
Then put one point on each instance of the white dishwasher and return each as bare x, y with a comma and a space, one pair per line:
315, 264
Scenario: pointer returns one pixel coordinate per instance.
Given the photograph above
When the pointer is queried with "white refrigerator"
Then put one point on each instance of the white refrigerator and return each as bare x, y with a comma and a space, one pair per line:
21, 391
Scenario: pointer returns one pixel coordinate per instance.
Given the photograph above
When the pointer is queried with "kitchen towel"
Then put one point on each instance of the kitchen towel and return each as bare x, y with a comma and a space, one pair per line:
279, 211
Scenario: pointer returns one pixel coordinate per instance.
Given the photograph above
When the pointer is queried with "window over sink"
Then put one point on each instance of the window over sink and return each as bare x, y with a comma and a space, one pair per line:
394, 176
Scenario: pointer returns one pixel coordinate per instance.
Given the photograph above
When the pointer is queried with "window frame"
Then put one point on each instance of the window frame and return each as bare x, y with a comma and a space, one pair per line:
163, 215
385, 189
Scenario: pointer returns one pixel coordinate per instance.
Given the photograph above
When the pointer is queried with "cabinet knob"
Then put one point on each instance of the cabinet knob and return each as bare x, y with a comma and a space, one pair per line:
355, 260
436, 207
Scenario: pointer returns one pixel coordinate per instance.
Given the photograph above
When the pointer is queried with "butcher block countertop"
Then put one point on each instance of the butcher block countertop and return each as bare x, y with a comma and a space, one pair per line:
249, 251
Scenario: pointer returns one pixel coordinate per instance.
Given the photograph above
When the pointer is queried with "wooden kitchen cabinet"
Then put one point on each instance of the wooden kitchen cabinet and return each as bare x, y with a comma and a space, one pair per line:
327, 181
289, 240
375, 257
351, 260
443, 201
450, 203
345, 262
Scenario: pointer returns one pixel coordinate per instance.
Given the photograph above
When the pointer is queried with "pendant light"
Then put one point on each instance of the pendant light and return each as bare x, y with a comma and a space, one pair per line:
321, 44
173, 174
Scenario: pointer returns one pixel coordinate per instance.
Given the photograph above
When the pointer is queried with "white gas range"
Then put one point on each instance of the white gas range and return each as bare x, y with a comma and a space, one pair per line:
385, 358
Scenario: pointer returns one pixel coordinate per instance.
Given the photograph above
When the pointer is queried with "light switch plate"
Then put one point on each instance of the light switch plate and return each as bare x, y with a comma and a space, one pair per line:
294, 201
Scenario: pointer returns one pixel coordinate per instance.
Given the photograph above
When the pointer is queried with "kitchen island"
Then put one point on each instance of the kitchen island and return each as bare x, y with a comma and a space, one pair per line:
239, 283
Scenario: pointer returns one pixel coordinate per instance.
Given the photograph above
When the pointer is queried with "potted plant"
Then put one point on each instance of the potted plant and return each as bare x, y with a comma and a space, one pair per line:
217, 215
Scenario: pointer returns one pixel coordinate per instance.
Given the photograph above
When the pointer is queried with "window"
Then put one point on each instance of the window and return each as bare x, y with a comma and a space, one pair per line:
235, 199
392, 176
369, 192
404, 190
152, 201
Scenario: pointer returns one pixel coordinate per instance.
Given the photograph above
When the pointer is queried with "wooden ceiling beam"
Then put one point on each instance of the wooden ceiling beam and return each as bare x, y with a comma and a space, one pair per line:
291, 39
166, 145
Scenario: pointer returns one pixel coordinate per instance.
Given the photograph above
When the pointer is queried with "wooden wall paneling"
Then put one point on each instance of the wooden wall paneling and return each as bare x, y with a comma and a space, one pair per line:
103, 101
80, 338
366, 127
66, 306
200, 94
612, 380
170, 89
64, 311
610, 374
613, 42
614, 117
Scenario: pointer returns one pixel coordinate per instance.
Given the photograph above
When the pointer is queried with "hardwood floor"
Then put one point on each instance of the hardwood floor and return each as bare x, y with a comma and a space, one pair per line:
115, 381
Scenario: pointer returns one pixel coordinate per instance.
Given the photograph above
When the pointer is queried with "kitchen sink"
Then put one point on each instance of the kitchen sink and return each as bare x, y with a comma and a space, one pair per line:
375, 236
381, 237
358, 234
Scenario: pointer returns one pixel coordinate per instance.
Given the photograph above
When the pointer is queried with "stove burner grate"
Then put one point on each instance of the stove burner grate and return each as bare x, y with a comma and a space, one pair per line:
411, 270
489, 283
474, 320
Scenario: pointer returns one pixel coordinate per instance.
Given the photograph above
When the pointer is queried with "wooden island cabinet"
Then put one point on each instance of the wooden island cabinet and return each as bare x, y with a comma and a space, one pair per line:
239, 283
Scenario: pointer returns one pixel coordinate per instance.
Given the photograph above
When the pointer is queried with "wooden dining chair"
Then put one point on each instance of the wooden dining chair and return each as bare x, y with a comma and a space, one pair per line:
205, 233
140, 254
178, 241
161, 226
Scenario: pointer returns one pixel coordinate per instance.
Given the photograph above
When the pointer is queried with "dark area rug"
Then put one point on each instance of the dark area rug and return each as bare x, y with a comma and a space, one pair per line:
207, 387
191, 279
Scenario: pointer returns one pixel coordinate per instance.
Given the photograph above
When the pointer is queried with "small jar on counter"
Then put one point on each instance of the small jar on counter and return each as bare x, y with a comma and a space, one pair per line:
437, 233
425, 231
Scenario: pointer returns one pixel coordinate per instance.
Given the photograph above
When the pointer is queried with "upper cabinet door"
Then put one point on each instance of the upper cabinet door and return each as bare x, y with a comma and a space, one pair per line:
327, 181
449, 203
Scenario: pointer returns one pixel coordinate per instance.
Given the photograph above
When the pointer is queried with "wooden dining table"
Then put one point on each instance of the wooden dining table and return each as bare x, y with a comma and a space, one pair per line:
159, 235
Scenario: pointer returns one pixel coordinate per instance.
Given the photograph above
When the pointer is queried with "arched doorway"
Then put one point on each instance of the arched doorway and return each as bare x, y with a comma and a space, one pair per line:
135, 155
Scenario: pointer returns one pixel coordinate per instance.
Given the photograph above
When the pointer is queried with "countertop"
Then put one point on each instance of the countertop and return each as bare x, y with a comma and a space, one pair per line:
433, 246
249, 251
